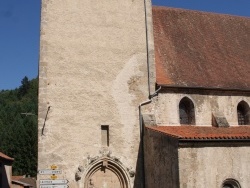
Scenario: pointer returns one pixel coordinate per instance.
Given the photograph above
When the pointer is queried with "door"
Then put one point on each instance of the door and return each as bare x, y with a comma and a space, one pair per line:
104, 178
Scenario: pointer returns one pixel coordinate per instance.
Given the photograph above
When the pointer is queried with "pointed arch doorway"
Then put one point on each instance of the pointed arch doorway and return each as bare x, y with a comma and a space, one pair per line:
106, 173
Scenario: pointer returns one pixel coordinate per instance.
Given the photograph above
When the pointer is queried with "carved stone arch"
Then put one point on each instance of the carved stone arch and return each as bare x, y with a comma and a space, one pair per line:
106, 172
230, 183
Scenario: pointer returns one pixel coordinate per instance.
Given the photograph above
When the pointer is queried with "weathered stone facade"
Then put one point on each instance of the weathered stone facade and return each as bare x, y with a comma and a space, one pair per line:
205, 104
161, 160
93, 71
210, 166
171, 162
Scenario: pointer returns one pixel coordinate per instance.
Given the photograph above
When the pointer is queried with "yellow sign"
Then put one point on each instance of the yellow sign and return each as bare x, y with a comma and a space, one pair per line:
53, 177
53, 167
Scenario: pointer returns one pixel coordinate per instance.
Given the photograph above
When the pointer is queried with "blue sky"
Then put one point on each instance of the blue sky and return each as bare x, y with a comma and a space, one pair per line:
20, 26
19, 41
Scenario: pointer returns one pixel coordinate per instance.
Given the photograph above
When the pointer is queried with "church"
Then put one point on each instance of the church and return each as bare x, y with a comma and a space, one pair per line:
137, 96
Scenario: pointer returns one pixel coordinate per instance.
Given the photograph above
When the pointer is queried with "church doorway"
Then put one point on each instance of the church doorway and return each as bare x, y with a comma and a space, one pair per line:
106, 174
104, 178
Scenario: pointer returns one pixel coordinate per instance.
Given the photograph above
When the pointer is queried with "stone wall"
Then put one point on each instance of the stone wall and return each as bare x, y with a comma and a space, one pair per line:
210, 166
161, 160
92, 72
205, 103
170, 163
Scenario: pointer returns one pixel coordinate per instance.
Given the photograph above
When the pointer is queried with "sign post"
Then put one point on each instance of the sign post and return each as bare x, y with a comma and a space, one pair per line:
49, 171
53, 182
54, 186
46, 182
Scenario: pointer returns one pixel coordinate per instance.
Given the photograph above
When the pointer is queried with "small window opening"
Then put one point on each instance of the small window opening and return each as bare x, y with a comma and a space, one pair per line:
105, 135
243, 113
186, 112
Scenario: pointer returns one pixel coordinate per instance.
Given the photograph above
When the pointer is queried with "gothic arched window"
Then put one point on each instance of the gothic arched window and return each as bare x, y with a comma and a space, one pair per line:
243, 113
186, 112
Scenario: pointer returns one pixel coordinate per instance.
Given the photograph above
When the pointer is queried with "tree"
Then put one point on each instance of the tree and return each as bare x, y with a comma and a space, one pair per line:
24, 88
18, 132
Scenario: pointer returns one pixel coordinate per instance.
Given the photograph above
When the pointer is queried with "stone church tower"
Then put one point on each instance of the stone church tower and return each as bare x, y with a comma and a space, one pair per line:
111, 115
93, 75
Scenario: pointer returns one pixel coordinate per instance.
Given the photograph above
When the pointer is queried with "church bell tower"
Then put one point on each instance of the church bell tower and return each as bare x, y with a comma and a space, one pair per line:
93, 74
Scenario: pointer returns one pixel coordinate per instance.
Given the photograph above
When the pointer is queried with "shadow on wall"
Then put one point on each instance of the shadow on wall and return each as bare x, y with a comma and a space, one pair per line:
139, 181
161, 160
139, 175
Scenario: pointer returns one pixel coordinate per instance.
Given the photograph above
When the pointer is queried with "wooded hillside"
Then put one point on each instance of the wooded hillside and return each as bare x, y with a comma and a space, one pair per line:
18, 126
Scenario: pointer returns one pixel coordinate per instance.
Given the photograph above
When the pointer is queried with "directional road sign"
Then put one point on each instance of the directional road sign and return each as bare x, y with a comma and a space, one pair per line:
46, 182
49, 171
54, 186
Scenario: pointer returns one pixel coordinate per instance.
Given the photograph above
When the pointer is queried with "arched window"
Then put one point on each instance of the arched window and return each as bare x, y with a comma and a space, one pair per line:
230, 183
186, 112
243, 113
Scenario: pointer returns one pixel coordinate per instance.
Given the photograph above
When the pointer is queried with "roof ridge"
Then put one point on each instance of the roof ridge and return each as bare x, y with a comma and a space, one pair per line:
196, 11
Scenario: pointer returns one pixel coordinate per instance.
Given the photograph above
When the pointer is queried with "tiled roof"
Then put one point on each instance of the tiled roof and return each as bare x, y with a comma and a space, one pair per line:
28, 181
22, 180
16, 178
21, 183
3, 156
198, 49
204, 133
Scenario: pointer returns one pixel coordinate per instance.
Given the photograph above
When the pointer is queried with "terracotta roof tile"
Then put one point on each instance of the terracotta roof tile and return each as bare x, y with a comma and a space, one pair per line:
21, 183
198, 49
29, 180
3, 156
16, 178
202, 132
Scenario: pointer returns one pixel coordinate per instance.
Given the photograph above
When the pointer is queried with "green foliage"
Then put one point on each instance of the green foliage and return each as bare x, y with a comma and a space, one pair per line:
24, 88
18, 132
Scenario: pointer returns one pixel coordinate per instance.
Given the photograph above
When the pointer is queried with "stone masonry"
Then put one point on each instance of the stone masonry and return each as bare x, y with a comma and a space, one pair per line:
93, 71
